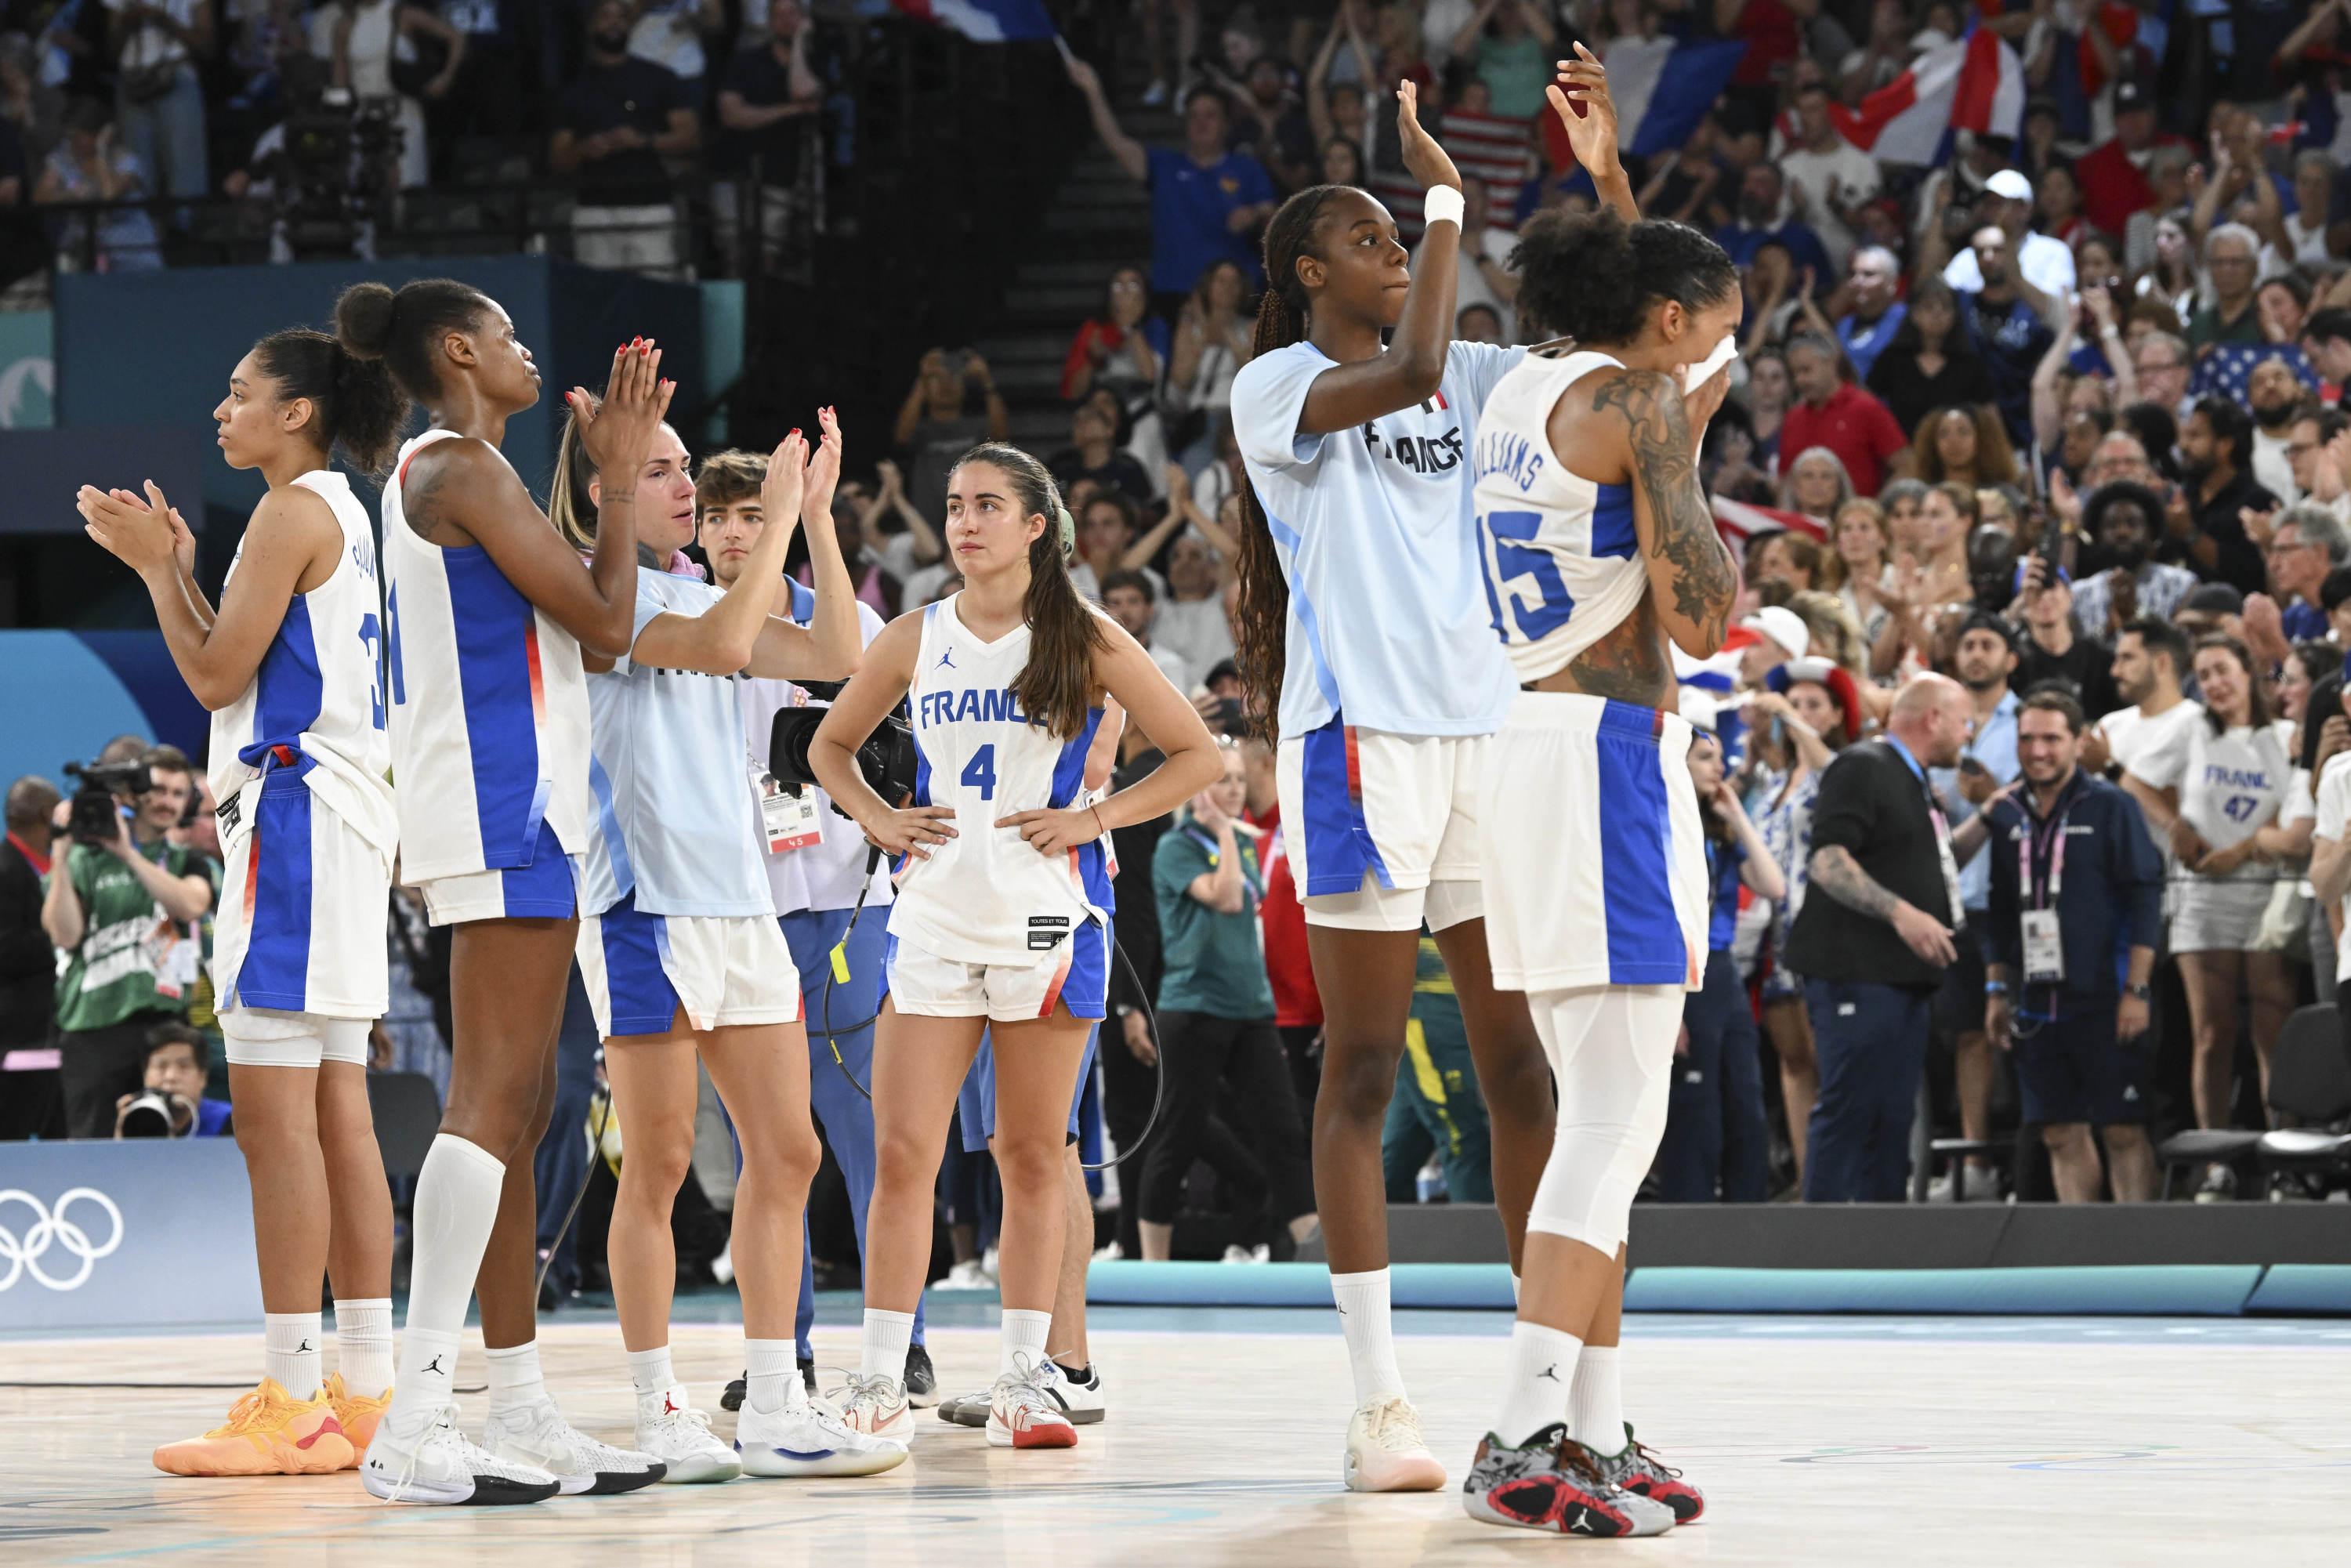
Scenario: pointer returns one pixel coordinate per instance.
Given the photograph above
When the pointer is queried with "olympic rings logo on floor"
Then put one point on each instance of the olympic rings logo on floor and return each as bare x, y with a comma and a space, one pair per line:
23, 1255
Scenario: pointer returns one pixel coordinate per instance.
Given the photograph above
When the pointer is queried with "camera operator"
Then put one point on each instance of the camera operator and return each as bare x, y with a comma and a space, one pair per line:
125, 911
30, 1105
170, 1102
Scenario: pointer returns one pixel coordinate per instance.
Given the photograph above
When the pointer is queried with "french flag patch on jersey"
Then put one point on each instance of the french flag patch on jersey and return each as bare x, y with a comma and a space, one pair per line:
1435, 404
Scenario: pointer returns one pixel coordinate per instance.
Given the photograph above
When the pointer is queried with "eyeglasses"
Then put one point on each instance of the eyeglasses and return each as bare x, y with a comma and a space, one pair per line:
2282, 547
2145, 367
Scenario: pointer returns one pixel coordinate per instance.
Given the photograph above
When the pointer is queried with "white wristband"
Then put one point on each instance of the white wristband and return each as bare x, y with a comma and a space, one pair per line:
1445, 205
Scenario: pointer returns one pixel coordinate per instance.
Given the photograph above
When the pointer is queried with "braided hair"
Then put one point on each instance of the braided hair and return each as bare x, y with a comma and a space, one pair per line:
1263, 612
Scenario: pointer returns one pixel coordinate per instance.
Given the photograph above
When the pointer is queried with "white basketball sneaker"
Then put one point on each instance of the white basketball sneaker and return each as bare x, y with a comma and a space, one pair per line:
875, 1405
672, 1430
1385, 1450
1023, 1412
429, 1460
808, 1441
537, 1435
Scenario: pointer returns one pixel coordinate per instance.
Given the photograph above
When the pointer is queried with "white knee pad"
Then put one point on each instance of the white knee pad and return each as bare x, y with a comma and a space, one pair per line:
265, 1037
1612, 1050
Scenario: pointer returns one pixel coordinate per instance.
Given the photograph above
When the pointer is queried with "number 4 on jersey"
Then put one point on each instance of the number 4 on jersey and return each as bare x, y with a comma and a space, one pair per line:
979, 773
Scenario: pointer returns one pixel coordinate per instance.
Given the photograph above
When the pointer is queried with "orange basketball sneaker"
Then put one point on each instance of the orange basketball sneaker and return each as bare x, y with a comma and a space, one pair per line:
268, 1432
356, 1414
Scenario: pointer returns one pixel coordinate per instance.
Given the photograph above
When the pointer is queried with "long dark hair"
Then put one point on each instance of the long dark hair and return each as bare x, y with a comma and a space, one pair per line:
374, 323
1056, 686
354, 402
1593, 276
1262, 616
2257, 702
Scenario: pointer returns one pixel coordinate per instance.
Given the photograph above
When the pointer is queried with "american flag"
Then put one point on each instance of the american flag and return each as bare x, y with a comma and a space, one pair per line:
2223, 372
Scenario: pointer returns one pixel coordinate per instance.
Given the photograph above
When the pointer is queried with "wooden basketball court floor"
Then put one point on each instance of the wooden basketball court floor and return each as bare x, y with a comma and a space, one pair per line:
1819, 1442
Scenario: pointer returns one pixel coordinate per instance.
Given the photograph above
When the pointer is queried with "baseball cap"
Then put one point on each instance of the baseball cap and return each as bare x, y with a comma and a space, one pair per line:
2215, 598
2129, 95
2009, 185
1782, 626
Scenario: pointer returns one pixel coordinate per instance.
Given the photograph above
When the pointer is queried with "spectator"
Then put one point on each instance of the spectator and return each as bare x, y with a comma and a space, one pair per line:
90, 165
2151, 667
1121, 348
1863, 332
1963, 444
2045, 262
2006, 321
2319, 474
2216, 449
1479, 324
1214, 338
1828, 177
2160, 361
769, 102
615, 123
1946, 516
1769, 391
2115, 186
911, 554
1272, 128
1206, 201
126, 913
1513, 61
493, 96
1191, 622
1759, 220
1999, 509
1784, 637
1216, 1015
1715, 1144
2052, 653
2327, 343
367, 37
952, 407
2211, 788
1093, 453
1817, 484
2058, 921
2306, 544
1129, 597
2232, 259
1787, 556
32, 1105
158, 96
1873, 940
1484, 276
1832, 411
2273, 396
670, 33
177, 1066
1857, 567
2284, 301
1929, 362
2173, 280
2121, 519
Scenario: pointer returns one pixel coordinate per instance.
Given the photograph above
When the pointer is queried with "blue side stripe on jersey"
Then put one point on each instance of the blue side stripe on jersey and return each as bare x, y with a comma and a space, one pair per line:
1087, 986
1326, 679
1645, 938
277, 968
490, 620
1339, 843
1069, 767
608, 825
1612, 521
289, 690
639, 998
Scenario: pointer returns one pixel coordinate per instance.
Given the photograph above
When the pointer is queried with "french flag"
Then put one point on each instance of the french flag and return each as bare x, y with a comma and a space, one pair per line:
985, 21
1662, 89
1976, 83
1739, 523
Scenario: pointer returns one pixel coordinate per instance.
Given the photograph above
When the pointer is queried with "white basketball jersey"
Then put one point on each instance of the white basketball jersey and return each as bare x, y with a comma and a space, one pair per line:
1563, 566
316, 702
984, 896
489, 706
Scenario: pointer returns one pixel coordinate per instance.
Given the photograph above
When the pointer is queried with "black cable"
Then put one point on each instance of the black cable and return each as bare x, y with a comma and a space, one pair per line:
595, 1152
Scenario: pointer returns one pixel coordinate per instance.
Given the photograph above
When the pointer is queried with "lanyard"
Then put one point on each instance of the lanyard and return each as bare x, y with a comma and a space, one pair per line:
2028, 849
1950, 861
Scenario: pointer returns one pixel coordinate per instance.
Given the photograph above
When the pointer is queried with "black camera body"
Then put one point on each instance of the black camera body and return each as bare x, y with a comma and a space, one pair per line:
886, 759
95, 816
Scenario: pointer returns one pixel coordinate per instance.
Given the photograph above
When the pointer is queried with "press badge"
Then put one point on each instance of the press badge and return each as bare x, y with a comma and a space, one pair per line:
2045, 948
788, 819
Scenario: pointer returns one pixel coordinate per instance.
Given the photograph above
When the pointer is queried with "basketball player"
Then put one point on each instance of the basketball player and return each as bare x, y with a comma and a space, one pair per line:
488, 610
999, 921
817, 869
1363, 627
287, 665
1599, 550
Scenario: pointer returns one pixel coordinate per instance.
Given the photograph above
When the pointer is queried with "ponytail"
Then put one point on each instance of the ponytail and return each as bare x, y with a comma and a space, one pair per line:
1055, 688
1262, 615
570, 506
355, 404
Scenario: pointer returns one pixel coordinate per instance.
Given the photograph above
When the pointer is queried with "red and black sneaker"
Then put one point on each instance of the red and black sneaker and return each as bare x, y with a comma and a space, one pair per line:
1551, 1482
1638, 1470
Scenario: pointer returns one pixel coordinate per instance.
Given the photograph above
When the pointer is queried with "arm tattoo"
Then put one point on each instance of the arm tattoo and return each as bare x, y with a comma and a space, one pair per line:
420, 497
1665, 466
1838, 874
1628, 663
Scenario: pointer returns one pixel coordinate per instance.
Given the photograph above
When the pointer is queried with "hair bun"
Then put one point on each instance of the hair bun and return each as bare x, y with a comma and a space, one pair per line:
363, 320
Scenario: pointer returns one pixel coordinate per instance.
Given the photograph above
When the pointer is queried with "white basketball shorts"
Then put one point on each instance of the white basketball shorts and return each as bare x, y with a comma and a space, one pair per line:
304, 901
1076, 971
545, 889
725, 971
1381, 829
1594, 851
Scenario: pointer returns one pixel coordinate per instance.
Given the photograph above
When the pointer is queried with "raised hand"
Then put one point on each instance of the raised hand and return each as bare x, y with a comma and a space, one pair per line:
636, 399
1081, 76
1580, 98
1429, 164
786, 480
137, 532
823, 472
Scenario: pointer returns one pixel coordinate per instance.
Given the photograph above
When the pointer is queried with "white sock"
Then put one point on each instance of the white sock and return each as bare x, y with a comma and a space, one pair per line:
456, 1202
1596, 1403
649, 1372
515, 1380
773, 1374
363, 1345
1514, 1290
1023, 1339
1535, 1388
289, 1351
887, 1335
1363, 1301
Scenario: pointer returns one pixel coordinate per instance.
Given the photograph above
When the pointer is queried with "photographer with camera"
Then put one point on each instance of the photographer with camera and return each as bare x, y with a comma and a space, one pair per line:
170, 1102
123, 902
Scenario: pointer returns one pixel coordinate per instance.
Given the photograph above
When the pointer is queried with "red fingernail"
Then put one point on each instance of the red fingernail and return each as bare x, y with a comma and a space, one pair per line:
796, 430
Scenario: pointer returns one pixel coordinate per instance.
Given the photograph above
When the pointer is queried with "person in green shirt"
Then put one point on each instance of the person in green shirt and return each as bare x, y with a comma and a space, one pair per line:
126, 915
1215, 1022
1514, 60
1436, 1108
